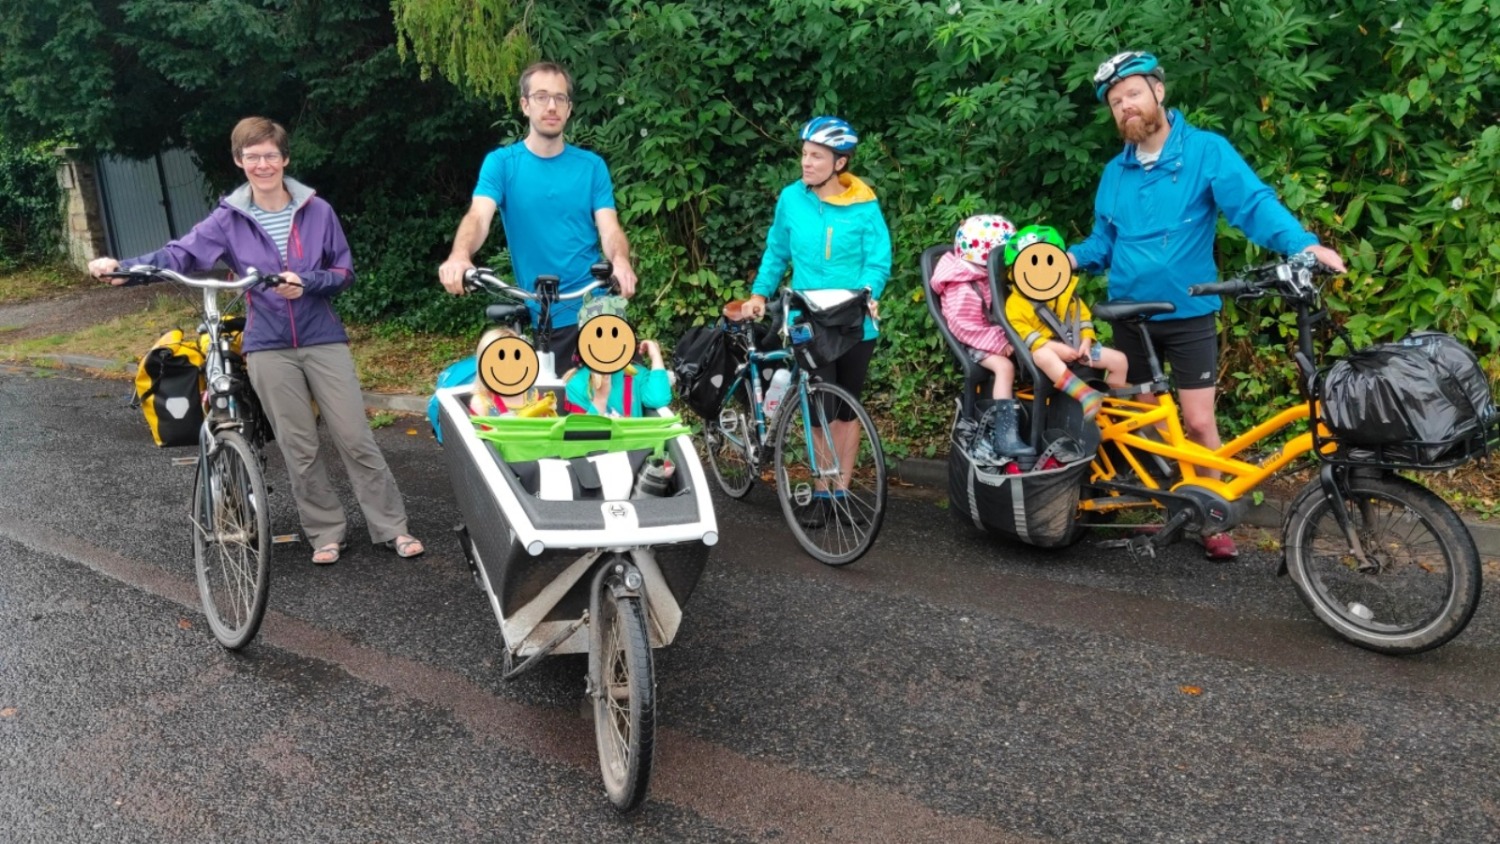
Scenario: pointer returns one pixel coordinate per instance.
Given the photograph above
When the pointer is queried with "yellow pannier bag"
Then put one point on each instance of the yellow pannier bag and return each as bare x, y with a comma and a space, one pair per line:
169, 390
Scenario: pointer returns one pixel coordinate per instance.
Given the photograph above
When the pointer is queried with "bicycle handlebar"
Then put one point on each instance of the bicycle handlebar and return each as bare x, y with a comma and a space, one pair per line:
1219, 288
483, 278
1291, 276
142, 273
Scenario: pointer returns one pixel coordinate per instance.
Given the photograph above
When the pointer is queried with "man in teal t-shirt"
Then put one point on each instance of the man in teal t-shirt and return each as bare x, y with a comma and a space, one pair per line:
556, 203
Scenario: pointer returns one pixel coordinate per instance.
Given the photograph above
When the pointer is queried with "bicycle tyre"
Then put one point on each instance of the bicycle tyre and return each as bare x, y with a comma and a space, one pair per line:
729, 452
232, 541
1424, 555
624, 696
852, 521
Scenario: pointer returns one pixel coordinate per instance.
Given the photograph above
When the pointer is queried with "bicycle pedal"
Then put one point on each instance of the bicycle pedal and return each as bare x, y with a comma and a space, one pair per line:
1141, 547
285, 539
185, 461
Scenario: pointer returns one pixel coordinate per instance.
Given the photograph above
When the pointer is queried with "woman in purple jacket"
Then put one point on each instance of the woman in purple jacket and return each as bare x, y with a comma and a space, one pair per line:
295, 346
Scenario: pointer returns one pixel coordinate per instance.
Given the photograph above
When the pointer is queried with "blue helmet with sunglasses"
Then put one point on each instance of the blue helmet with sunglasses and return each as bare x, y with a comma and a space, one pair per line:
1123, 65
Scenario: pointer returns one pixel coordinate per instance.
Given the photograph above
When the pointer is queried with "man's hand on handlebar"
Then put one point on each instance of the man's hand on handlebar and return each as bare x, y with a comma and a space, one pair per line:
1327, 257
624, 278
451, 274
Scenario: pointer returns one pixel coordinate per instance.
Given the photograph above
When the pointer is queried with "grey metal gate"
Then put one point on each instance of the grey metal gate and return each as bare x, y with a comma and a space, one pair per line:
148, 202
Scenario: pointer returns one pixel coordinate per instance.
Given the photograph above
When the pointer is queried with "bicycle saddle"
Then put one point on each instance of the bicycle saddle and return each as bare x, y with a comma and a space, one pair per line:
1126, 309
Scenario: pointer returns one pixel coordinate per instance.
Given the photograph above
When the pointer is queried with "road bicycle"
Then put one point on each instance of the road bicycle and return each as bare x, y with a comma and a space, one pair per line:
229, 509
1383, 561
832, 485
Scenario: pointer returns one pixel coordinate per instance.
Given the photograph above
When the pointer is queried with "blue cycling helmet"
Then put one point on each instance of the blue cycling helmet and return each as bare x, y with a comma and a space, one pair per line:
1122, 65
832, 132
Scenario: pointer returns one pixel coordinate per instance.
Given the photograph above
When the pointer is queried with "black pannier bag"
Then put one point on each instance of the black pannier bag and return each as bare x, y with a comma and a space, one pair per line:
1415, 400
1038, 507
704, 368
830, 323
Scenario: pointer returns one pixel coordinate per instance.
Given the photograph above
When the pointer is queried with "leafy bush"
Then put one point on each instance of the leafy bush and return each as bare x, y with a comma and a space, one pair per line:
31, 206
1375, 121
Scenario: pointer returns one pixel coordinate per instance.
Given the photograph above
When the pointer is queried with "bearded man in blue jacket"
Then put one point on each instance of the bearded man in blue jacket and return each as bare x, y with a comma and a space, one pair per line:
1155, 215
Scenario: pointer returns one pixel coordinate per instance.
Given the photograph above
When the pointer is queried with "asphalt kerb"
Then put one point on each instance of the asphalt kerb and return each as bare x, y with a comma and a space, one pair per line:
914, 470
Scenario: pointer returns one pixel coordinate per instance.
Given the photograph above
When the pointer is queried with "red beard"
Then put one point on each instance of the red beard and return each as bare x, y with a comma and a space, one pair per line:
1136, 131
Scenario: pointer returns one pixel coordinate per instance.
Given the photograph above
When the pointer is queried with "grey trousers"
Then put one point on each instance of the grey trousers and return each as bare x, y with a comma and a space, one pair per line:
287, 381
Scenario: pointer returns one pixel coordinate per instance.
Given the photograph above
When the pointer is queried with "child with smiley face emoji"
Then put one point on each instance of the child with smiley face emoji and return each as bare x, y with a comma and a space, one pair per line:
1055, 325
606, 384
507, 368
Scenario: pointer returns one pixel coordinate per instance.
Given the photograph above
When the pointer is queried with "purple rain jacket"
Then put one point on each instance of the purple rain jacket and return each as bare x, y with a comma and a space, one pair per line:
316, 251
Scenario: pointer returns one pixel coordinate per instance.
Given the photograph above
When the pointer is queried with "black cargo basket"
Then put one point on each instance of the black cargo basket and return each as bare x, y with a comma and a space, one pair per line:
1039, 507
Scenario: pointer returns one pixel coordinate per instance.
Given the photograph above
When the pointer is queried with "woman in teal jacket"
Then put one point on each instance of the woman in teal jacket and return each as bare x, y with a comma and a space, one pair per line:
829, 230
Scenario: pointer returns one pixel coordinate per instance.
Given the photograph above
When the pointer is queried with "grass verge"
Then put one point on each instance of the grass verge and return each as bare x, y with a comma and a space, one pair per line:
51, 282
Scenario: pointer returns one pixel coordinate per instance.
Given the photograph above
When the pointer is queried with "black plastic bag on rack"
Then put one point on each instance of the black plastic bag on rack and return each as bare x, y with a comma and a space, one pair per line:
1426, 392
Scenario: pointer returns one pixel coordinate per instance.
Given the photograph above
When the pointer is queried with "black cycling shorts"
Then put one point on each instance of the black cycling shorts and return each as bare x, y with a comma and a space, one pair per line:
848, 371
1190, 346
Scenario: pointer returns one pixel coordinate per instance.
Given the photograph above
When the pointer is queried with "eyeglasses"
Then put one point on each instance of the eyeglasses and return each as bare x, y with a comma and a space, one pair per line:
544, 100
255, 158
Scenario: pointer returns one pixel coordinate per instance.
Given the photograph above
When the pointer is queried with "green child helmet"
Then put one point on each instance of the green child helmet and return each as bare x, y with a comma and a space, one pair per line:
1029, 235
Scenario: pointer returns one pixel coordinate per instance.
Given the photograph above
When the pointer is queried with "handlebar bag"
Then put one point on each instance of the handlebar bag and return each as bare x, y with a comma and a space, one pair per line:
169, 390
1426, 391
704, 368
830, 323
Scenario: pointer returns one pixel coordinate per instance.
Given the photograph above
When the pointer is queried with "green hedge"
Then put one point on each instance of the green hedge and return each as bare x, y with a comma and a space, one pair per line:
1375, 122
31, 206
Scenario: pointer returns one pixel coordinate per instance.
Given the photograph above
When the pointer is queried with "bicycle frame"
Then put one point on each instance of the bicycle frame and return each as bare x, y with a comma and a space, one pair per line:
750, 370
1122, 422
1134, 427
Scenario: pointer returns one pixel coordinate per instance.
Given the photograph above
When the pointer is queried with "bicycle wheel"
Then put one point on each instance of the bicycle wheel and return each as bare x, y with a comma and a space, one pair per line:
831, 484
729, 446
1421, 583
232, 541
624, 692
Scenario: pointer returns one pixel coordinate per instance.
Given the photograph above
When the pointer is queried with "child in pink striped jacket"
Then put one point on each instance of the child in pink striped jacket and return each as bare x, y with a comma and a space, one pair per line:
962, 283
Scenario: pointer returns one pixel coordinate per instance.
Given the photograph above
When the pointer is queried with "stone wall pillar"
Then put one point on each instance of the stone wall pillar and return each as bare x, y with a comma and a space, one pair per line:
83, 224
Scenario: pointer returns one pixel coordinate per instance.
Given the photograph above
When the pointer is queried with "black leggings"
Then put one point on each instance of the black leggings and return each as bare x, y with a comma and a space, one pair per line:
848, 371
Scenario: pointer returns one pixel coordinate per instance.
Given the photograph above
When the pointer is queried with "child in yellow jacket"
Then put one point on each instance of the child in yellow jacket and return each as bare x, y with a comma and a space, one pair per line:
1055, 325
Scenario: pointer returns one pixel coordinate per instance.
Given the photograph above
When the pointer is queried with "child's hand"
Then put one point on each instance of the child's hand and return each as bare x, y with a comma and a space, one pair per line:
652, 351
1064, 352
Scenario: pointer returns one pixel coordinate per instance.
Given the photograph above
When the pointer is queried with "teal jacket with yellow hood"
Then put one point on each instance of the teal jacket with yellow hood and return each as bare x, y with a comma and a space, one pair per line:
839, 243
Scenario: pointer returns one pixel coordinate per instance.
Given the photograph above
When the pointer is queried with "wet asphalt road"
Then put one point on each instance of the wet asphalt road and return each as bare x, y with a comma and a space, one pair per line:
945, 688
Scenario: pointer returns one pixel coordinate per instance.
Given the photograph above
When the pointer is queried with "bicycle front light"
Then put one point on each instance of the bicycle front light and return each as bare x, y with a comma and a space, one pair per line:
221, 384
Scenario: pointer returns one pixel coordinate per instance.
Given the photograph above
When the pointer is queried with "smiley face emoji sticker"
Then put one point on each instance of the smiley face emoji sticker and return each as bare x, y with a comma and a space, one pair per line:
508, 366
1039, 267
606, 344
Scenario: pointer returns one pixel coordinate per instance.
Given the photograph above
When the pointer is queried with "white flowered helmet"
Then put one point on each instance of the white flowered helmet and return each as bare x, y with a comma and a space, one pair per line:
980, 234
